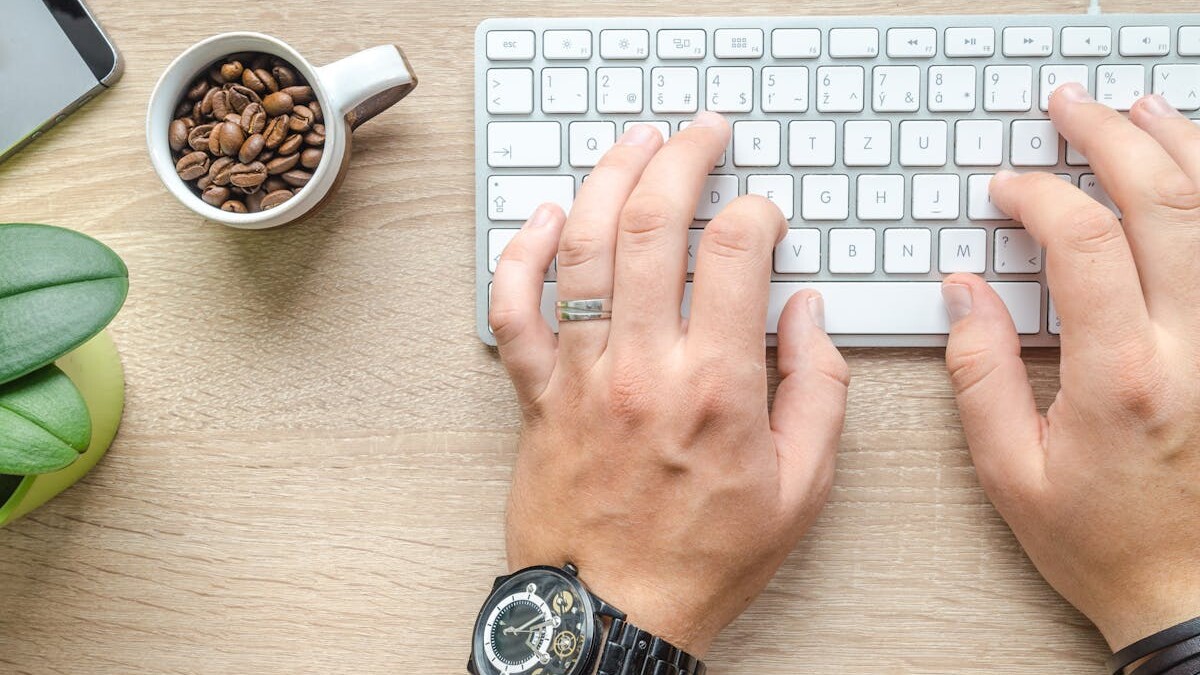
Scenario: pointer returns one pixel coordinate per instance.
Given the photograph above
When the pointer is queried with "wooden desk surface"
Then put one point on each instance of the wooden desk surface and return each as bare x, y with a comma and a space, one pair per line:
314, 459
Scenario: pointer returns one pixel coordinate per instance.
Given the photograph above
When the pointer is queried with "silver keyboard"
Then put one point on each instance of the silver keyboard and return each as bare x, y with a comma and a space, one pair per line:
876, 136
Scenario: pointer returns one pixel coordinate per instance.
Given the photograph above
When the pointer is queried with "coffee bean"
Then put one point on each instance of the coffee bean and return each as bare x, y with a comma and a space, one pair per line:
296, 177
316, 137
184, 108
266, 156
273, 183
220, 104
214, 141
251, 148
282, 164
315, 107
302, 119
218, 173
235, 118
204, 182
267, 79
233, 206
300, 93
273, 199
254, 202
231, 138
244, 91
254, 119
285, 76
248, 175
237, 100
232, 71
253, 82
177, 135
198, 89
192, 165
276, 131
215, 195
206, 102
290, 145
260, 61
277, 103
215, 75
310, 158
198, 136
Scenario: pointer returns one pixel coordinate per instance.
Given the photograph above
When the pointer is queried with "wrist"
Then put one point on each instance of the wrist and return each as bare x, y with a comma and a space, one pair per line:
656, 612
1123, 628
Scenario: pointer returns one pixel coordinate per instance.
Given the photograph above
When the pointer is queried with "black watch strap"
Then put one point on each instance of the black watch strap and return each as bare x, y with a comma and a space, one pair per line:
629, 650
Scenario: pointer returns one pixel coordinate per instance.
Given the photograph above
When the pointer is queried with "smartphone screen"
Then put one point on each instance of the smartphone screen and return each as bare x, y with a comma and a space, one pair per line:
42, 73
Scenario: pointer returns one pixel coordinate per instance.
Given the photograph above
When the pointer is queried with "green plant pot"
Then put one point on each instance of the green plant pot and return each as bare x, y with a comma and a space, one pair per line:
95, 368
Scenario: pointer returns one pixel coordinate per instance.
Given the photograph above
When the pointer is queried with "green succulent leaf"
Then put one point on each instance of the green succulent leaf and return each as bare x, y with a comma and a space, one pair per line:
58, 288
44, 423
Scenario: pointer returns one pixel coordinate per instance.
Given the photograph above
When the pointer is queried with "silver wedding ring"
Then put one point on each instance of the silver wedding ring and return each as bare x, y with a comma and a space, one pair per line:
584, 310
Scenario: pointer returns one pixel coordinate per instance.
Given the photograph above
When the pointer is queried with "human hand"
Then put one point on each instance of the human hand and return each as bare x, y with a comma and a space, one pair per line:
1104, 491
647, 456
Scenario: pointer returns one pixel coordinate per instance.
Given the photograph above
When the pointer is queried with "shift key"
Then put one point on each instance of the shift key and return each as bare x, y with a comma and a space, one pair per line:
517, 197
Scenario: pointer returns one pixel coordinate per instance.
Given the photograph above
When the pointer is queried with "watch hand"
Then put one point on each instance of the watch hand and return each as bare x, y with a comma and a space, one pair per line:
521, 629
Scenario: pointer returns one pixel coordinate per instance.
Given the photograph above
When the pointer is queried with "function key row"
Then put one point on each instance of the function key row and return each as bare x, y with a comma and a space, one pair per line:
808, 43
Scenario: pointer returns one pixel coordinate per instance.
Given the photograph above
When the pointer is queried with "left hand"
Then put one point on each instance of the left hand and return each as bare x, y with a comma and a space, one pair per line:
648, 457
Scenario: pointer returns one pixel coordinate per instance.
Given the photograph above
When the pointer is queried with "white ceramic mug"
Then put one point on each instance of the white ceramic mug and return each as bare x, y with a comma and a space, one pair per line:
350, 92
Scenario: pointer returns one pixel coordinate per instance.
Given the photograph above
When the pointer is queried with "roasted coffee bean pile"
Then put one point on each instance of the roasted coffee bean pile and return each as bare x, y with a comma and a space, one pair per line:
247, 133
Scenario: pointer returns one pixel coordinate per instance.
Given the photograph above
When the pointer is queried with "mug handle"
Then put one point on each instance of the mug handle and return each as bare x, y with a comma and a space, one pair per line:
365, 84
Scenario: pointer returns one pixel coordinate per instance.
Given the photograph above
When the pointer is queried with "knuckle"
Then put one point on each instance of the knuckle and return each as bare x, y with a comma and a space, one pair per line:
837, 371
577, 248
507, 322
969, 369
646, 220
630, 396
1177, 192
1093, 229
729, 238
1141, 386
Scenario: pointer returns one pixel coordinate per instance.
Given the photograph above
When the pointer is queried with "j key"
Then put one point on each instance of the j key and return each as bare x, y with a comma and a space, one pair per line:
935, 196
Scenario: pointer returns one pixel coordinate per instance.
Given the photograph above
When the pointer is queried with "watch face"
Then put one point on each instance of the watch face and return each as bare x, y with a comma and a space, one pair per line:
539, 622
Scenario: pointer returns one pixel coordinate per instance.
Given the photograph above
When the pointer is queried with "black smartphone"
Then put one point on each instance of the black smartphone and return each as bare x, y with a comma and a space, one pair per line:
54, 57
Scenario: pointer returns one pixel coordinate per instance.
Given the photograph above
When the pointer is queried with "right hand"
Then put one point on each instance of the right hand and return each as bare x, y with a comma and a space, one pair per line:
1104, 491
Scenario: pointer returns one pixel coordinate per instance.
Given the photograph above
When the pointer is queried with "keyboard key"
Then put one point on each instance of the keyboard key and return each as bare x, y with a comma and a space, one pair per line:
1189, 41
970, 42
923, 143
952, 88
979, 199
684, 124
851, 250
564, 90
694, 237
1028, 41
1086, 41
1034, 143
853, 43
729, 89
738, 43
675, 90
619, 90
777, 188
567, 45
1053, 322
624, 44
497, 240
664, 128
1179, 84
1091, 186
919, 43
867, 143
880, 197
1054, 77
811, 143
1016, 252
517, 197
589, 141
978, 142
524, 144
1119, 86
840, 88
935, 196
682, 44
510, 91
897, 89
510, 45
756, 143
962, 250
1145, 41
796, 43
906, 250
718, 192
784, 89
825, 197
799, 252
1007, 88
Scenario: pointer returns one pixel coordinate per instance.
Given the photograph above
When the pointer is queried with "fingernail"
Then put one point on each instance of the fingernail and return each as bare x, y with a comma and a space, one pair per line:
638, 134
1157, 105
816, 309
708, 119
1003, 175
1074, 92
540, 217
958, 301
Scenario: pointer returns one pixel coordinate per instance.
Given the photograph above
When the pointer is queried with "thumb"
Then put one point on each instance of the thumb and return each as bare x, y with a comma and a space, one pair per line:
999, 414
810, 403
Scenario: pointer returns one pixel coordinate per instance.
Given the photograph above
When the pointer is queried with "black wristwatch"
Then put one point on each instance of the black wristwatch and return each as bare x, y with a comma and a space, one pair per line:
544, 621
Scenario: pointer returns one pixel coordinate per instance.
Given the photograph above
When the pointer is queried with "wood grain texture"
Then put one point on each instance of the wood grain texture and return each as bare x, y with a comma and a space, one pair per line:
312, 469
